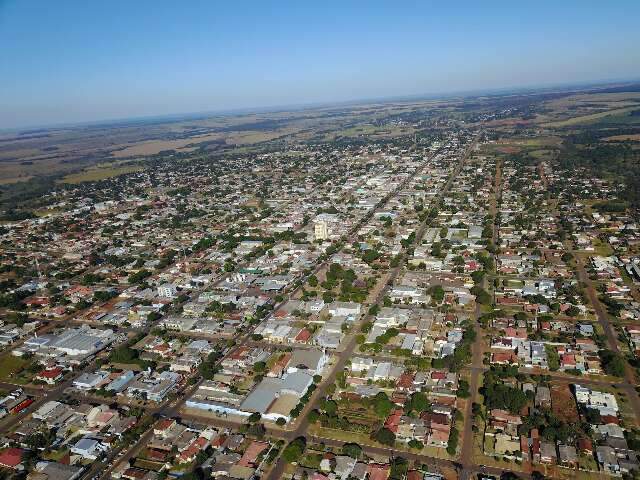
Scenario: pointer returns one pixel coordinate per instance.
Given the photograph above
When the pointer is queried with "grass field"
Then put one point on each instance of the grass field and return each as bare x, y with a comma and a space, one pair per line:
99, 173
10, 366
592, 118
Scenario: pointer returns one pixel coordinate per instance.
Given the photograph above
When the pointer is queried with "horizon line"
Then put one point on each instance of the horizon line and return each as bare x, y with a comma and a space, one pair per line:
522, 89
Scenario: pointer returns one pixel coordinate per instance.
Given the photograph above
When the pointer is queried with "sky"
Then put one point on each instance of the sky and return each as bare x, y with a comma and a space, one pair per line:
75, 61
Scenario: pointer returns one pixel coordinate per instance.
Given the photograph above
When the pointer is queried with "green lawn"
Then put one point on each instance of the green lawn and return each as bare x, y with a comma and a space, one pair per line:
10, 365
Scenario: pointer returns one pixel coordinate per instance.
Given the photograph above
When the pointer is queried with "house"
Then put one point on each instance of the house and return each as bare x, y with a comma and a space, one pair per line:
153, 387
543, 397
608, 459
89, 447
567, 456
54, 471
585, 445
378, 472
89, 381
344, 466
120, 382
344, 309
251, 454
548, 452
312, 361
12, 458
50, 375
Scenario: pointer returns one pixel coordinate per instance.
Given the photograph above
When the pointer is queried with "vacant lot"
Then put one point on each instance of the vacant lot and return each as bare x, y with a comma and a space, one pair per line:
10, 367
563, 404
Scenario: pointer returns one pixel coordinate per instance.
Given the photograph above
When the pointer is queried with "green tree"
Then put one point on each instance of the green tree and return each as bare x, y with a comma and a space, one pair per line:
385, 437
352, 450
293, 452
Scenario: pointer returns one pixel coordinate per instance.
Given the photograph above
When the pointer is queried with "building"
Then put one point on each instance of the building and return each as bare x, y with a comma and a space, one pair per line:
272, 398
167, 290
321, 230
153, 387
78, 342
119, 383
309, 361
54, 471
11, 458
50, 375
89, 381
88, 447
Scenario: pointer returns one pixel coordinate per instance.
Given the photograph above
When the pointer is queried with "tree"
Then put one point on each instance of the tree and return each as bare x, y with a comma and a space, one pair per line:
417, 444
382, 405
437, 293
352, 450
123, 354
254, 417
385, 437
417, 402
452, 445
613, 363
477, 276
399, 468
294, 450
257, 430
498, 395
463, 389
482, 296
573, 311
313, 417
330, 407
509, 476
281, 421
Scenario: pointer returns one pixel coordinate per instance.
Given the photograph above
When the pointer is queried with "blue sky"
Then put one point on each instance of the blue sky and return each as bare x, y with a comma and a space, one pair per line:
72, 61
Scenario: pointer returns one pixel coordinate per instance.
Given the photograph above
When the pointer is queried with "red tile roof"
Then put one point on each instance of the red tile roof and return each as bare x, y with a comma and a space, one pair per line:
11, 457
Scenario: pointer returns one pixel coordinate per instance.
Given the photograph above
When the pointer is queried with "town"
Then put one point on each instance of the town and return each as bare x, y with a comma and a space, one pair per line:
457, 300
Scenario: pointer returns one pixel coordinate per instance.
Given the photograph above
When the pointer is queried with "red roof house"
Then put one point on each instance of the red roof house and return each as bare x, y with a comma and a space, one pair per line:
11, 458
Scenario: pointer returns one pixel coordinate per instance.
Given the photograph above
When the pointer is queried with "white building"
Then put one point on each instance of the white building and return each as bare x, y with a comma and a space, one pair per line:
167, 290
321, 230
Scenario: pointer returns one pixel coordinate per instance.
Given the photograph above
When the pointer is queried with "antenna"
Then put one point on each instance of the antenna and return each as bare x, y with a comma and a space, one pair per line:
184, 257
39, 274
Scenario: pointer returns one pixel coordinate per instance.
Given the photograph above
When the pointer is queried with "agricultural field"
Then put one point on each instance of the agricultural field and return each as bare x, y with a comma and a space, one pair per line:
101, 172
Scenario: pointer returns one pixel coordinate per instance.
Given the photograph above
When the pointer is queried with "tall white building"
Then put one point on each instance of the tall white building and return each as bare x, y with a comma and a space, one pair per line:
321, 230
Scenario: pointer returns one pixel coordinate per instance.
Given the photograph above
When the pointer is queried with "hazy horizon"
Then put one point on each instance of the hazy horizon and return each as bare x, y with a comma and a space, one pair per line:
73, 63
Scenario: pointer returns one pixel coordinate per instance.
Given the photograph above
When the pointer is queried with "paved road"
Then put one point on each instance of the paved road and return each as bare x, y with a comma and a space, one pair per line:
477, 352
602, 315
612, 340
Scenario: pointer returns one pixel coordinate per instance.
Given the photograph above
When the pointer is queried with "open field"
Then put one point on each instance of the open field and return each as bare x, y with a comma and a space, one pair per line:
623, 138
10, 366
99, 173
153, 147
594, 117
